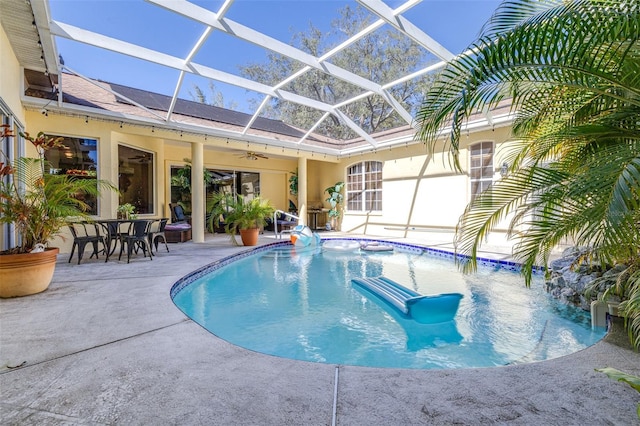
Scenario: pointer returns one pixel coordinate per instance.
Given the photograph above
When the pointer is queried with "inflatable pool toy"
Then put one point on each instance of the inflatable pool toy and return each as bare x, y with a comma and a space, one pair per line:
341, 245
374, 246
424, 309
302, 236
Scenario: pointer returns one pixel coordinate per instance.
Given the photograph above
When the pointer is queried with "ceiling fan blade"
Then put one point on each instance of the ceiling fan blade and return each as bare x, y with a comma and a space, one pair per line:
251, 155
254, 155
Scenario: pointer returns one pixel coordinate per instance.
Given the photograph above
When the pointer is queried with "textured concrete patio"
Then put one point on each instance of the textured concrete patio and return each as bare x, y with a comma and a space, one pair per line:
106, 345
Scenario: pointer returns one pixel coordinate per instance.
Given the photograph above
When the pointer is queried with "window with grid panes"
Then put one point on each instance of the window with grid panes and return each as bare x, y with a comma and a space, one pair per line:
481, 167
364, 187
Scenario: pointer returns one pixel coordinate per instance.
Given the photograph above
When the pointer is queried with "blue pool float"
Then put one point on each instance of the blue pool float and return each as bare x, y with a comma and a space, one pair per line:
423, 309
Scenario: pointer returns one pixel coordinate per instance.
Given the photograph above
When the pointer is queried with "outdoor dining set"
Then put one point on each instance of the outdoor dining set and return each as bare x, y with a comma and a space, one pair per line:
105, 235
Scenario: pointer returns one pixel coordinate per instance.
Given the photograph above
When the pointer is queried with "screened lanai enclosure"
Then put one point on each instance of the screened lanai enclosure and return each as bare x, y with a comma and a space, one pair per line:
299, 62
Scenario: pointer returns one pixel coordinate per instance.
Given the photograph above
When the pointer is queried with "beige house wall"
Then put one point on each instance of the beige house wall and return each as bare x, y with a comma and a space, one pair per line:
421, 192
168, 152
10, 78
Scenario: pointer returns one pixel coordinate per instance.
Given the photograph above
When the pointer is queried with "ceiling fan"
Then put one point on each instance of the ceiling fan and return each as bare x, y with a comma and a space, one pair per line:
143, 158
251, 155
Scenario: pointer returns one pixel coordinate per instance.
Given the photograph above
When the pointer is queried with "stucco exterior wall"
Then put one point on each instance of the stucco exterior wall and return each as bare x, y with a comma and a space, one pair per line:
421, 192
10, 78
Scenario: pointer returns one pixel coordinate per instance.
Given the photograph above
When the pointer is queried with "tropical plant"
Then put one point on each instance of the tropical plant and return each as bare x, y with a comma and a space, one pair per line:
126, 211
335, 199
619, 376
182, 182
235, 212
293, 183
40, 204
571, 71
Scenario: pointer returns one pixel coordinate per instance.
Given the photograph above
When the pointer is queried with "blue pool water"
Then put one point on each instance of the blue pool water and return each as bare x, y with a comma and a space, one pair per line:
301, 304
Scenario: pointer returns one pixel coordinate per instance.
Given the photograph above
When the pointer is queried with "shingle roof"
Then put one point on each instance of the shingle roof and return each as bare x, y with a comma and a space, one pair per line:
159, 102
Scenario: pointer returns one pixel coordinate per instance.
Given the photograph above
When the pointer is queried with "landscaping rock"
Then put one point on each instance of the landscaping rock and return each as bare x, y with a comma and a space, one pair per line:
572, 276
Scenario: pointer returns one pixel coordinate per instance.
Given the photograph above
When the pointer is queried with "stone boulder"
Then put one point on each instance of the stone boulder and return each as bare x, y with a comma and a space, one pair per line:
572, 275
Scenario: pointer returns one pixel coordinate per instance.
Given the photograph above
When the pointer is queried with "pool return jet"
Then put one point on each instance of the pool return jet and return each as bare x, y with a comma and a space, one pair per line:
423, 309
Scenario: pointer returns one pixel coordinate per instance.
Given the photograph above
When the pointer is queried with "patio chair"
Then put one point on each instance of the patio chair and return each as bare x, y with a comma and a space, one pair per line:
137, 238
177, 214
113, 234
158, 234
83, 234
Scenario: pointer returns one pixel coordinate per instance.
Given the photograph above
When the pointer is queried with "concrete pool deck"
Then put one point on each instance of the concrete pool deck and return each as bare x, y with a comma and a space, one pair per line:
106, 345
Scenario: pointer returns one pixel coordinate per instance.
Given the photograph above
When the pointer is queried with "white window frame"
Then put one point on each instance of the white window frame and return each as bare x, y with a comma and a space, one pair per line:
368, 194
485, 170
13, 148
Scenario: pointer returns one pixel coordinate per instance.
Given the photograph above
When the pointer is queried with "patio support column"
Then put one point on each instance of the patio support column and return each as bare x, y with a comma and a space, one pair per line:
197, 192
302, 190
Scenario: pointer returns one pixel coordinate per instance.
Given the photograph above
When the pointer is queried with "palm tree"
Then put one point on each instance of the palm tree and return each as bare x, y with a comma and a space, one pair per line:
571, 70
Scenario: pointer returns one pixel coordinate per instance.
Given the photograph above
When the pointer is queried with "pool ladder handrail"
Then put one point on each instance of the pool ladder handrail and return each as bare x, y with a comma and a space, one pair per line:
277, 214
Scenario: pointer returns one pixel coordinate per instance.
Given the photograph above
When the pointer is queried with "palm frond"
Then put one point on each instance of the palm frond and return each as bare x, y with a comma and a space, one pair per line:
567, 49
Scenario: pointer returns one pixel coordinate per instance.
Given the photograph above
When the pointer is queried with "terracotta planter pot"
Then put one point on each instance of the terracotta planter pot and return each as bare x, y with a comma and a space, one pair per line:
25, 274
249, 236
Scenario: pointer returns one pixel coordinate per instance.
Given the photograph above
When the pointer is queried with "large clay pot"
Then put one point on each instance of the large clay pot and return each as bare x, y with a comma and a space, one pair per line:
27, 273
249, 236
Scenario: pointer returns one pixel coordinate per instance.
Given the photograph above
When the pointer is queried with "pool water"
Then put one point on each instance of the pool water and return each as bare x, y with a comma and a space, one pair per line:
301, 304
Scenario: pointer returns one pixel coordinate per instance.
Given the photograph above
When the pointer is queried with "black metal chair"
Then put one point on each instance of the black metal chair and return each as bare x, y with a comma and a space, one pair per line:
83, 234
113, 235
136, 238
157, 234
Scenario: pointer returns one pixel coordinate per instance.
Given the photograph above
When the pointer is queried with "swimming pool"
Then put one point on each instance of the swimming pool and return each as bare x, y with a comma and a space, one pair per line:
299, 303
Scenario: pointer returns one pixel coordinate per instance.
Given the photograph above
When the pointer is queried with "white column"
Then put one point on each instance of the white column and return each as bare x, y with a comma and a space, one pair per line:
302, 190
197, 192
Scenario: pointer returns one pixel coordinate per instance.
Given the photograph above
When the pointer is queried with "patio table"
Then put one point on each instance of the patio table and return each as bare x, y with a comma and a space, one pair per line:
115, 230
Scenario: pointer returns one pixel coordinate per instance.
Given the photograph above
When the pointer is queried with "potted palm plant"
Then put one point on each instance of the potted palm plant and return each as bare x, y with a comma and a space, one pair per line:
126, 211
39, 205
335, 199
238, 214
